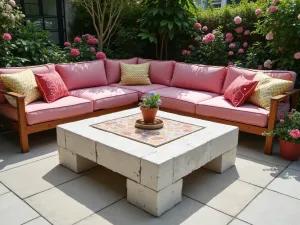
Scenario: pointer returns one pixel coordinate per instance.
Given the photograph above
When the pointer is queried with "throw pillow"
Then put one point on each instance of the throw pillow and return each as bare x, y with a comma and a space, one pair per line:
135, 74
51, 86
240, 90
267, 88
22, 83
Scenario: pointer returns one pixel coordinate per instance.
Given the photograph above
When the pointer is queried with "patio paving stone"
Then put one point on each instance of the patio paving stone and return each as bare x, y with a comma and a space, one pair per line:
3, 189
42, 145
271, 208
13, 211
79, 198
219, 191
287, 183
36, 177
295, 165
253, 171
38, 221
238, 222
188, 212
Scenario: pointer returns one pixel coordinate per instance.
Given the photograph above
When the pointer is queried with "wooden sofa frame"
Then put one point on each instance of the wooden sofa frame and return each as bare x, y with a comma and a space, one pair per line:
24, 129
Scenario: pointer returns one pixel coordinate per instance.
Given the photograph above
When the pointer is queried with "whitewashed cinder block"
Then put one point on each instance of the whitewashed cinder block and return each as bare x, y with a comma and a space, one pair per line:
74, 162
222, 162
119, 161
153, 202
61, 137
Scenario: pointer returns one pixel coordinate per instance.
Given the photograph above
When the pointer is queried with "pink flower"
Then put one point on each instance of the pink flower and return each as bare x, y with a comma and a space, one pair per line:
281, 116
295, 133
6, 36
184, 52
258, 11
100, 55
247, 32
87, 36
237, 20
210, 37
188, 52
204, 40
228, 40
270, 36
190, 46
272, 9
232, 45
67, 44
77, 40
260, 67
239, 30
93, 49
241, 51
290, 116
245, 44
229, 35
204, 28
281, 121
197, 26
74, 52
298, 17
92, 41
231, 53
297, 55
196, 39
268, 64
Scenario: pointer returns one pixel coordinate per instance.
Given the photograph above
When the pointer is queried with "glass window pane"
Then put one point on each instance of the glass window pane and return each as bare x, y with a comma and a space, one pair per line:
32, 9
51, 23
37, 21
31, 1
55, 37
49, 7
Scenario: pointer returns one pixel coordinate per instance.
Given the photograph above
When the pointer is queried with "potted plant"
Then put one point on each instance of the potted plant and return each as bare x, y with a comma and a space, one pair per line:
288, 131
149, 106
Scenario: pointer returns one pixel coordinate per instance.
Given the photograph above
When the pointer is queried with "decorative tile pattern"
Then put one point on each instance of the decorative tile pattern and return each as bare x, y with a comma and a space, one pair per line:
125, 127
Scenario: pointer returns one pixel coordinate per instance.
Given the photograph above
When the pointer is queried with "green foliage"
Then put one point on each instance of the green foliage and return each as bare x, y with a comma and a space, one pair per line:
288, 123
151, 101
29, 46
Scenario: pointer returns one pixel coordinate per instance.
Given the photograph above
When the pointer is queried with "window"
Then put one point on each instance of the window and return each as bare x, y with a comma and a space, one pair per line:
216, 3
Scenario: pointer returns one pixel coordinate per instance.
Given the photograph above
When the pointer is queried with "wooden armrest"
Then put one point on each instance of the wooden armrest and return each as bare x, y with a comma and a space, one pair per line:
12, 94
286, 94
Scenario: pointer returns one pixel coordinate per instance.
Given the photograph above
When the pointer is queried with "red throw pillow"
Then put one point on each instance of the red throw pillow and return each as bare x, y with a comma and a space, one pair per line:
240, 90
51, 86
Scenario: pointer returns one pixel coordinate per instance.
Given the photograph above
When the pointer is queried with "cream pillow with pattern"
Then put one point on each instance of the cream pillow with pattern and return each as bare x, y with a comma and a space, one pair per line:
267, 88
22, 83
135, 74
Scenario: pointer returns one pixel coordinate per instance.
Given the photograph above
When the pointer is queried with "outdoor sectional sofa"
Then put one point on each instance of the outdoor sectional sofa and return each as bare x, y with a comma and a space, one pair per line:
191, 90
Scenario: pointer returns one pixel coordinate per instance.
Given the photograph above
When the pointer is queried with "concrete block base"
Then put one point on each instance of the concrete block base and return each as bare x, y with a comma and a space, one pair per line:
154, 202
222, 162
74, 162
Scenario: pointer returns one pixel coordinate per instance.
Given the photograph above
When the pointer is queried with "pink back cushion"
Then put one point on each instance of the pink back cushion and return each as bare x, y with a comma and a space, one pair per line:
36, 69
161, 72
234, 72
113, 69
199, 77
83, 74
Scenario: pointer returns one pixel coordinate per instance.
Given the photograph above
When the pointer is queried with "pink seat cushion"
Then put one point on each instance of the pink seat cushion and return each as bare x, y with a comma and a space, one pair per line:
182, 99
161, 72
36, 69
141, 89
221, 108
82, 74
107, 97
38, 112
234, 72
199, 77
113, 69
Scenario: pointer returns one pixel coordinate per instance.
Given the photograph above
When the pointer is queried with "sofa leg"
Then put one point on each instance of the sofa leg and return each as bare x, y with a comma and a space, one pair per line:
24, 142
268, 145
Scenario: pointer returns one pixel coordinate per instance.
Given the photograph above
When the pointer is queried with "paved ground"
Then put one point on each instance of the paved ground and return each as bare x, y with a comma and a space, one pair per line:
36, 190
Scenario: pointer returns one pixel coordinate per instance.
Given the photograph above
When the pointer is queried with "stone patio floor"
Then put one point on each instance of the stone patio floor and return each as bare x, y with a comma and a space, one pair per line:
36, 190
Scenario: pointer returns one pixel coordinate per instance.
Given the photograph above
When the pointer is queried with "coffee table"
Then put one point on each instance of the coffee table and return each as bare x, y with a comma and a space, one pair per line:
154, 172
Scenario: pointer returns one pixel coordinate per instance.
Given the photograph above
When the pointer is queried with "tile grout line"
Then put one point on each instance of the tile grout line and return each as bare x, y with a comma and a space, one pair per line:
31, 220
99, 210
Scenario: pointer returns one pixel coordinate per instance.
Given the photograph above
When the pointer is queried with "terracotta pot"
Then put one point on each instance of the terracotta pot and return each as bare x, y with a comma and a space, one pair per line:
149, 114
289, 150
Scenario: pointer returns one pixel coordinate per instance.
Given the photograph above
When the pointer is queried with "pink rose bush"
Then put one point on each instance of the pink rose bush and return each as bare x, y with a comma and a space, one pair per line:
7, 36
258, 11
295, 134
247, 32
74, 52
297, 55
204, 28
241, 51
245, 44
92, 41
239, 30
272, 9
77, 39
237, 20
270, 36
230, 53
232, 45
197, 26
100, 56
268, 64
67, 44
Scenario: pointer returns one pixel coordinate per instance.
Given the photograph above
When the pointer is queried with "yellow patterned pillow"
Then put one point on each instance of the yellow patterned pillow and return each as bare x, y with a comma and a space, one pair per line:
135, 74
22, 83
267, 88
